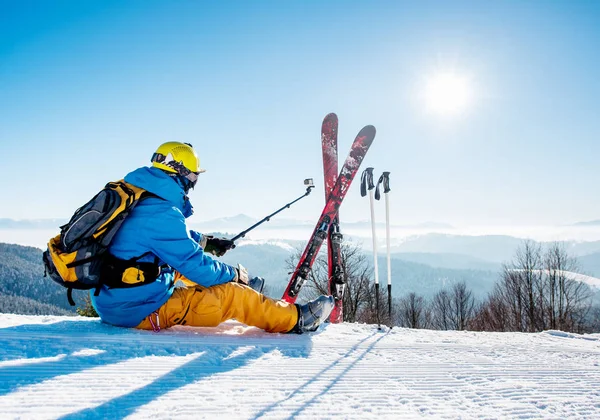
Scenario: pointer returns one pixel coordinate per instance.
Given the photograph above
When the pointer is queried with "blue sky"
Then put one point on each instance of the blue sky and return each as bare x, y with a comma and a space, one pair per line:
88, 90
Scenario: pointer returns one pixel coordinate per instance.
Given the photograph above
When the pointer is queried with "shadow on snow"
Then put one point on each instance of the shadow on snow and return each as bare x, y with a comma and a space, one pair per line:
224, 348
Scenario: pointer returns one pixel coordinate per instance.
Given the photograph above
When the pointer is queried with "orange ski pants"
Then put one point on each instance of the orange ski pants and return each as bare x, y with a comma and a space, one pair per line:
199, 306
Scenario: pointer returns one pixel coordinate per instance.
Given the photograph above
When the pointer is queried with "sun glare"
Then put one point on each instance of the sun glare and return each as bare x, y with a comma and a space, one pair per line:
447, 94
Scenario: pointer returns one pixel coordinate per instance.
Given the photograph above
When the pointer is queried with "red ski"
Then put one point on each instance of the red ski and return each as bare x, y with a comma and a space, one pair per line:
336, 280
359, 149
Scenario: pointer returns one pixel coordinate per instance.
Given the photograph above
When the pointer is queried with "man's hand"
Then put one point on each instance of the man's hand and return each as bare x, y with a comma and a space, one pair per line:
216, 246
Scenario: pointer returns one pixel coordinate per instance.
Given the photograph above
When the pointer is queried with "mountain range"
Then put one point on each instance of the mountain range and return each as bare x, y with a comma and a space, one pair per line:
23, 285
421, 262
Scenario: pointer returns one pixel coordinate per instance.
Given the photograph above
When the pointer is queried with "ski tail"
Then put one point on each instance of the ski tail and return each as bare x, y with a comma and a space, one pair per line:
359, 148
337, 281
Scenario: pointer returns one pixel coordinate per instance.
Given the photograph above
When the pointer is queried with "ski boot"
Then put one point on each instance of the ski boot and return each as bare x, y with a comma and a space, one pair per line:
311, 314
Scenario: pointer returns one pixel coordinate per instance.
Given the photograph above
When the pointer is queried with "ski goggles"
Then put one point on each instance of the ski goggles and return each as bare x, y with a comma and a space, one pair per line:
178, 167
192, 177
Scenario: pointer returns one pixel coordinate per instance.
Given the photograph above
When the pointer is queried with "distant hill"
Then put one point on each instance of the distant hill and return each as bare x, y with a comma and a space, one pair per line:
426, 280
590, 264
416, 268
26, 306
31, 223
236, 224
366, 225
493, 248
589, 223
241, 222
490, 248
584, 248
264, 260
22, 276
408, 276
448, 260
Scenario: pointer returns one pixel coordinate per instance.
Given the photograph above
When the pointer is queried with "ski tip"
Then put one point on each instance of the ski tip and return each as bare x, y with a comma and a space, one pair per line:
367, 131
330, 118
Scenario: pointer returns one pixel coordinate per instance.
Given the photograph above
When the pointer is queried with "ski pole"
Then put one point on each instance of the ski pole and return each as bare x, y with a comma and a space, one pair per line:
366, 182
385, 179
310, 185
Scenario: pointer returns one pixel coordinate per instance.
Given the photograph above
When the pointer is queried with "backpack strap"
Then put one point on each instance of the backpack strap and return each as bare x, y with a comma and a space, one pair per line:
70, 296
113, 268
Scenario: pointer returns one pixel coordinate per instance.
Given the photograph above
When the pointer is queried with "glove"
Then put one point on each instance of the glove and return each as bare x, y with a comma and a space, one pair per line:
241, 276
216, 246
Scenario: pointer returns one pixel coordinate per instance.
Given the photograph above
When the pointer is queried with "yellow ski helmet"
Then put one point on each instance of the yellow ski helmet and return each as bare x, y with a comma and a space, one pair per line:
178, 158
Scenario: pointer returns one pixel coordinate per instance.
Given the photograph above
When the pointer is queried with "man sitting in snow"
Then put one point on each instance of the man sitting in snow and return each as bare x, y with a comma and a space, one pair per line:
154, 235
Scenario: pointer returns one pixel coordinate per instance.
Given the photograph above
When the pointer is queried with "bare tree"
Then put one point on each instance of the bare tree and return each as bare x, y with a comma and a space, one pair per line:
527, 268
537, 291
357, 273
520, 287
462, 306
369, 312
594, 320
492, 315
509, 291
441, 307
567, 302
452, 310
413, 312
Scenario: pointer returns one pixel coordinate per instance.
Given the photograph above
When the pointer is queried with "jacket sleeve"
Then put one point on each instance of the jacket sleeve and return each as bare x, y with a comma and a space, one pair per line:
171, 242
196, 236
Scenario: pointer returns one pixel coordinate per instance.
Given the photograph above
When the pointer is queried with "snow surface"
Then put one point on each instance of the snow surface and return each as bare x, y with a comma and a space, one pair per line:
73, 368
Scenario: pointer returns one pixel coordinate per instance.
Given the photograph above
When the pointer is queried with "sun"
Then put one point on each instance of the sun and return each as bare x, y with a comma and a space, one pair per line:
447, 94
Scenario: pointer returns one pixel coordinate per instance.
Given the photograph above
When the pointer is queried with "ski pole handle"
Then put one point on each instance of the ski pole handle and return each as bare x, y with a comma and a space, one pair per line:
366, 181
385, 180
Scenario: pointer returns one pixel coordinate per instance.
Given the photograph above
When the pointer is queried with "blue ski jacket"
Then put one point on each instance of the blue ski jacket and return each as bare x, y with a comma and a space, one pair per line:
156, 227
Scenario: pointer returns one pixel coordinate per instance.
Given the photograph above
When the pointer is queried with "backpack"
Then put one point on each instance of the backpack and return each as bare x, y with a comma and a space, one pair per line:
76, 258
